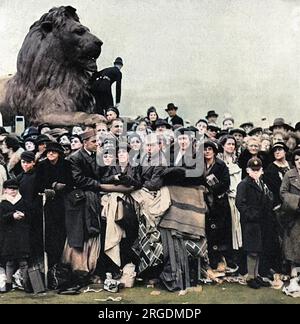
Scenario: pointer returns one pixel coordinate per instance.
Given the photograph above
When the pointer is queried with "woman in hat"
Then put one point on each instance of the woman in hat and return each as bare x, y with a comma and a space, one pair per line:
54, 179
14, 224
101, 87
218, 220
290, 194
12, 148
152, 117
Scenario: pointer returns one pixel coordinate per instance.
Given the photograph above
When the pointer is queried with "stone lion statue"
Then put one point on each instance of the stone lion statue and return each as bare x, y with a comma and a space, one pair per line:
53, 71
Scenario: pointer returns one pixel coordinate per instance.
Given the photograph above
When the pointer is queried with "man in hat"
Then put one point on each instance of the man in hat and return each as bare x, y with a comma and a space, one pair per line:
247, 126
239, 134
279, 125
101, 87
173, 118
211, 117
112, 113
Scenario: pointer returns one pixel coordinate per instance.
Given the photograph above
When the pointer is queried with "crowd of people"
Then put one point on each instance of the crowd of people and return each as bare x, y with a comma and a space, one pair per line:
181, 204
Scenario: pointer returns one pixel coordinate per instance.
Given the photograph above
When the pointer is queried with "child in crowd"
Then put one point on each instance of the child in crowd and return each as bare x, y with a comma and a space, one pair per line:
255, 204
14, 227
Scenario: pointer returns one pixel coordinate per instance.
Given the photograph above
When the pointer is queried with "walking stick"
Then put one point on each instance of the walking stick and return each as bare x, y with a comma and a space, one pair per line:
44, 241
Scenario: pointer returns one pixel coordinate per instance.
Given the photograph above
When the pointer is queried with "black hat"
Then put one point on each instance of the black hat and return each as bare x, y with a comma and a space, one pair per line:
238, 130
183, 131
30, 132
255, 130
279, 145
162, 122
3, 131
28, 156
279, 122
254, 164
211, 113
247, 124
118, 61
202, 120
30, 139
222, 133
11, 184
171, 106
42, 139
76, 136
55, 147
213, 145
297, 127
150, 110
115, 110
213, 128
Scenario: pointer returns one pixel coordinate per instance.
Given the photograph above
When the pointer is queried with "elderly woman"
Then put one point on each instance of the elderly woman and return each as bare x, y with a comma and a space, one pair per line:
290, 194
54, 178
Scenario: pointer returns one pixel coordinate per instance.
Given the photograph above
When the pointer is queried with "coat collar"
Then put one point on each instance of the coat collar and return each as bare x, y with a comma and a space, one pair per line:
252, 183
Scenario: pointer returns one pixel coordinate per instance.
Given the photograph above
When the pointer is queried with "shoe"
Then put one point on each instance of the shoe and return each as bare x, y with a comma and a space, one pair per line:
252, 283
232, 268
8, 288
262, 282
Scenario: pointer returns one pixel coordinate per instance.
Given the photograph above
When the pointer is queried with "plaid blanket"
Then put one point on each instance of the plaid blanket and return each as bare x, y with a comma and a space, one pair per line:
187, 212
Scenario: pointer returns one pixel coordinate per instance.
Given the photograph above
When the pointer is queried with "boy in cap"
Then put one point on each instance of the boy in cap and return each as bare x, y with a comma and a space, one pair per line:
255, 204
14, 224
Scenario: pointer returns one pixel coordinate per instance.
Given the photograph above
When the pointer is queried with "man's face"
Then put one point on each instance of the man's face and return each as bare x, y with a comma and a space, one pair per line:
101, 129
91, 144
27, 166
255, 174
171, 112
183, 142
228, 124
117, 128
238, 137
212, 119
297, 162
29, 146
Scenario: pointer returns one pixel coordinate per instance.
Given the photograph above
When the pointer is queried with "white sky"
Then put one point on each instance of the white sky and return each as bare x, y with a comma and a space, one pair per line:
237, 56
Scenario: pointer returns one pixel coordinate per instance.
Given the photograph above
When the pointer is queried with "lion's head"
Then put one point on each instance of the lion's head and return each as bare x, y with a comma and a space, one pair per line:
53, 67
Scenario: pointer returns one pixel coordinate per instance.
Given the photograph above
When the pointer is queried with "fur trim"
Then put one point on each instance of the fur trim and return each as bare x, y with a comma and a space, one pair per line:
12, 200
14, 159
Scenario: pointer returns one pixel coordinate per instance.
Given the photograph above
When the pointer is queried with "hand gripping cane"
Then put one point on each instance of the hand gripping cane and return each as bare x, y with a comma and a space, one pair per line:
44, 241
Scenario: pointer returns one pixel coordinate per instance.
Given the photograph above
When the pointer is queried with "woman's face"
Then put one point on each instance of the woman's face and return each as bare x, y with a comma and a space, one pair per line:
253, 147
52, 156
135, 144
153, 116
29, 146
209, 153
265, 145
123, 156
229, 146
297, 162
77, 130
279, 153
108, 159
75, 144
141, 126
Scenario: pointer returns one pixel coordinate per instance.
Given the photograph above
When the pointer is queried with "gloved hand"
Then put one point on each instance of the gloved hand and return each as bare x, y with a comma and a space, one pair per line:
50, 193
58, 186
125, 180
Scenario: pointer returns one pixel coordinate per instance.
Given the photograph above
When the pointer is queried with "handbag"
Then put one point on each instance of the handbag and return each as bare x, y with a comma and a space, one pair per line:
77, 196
